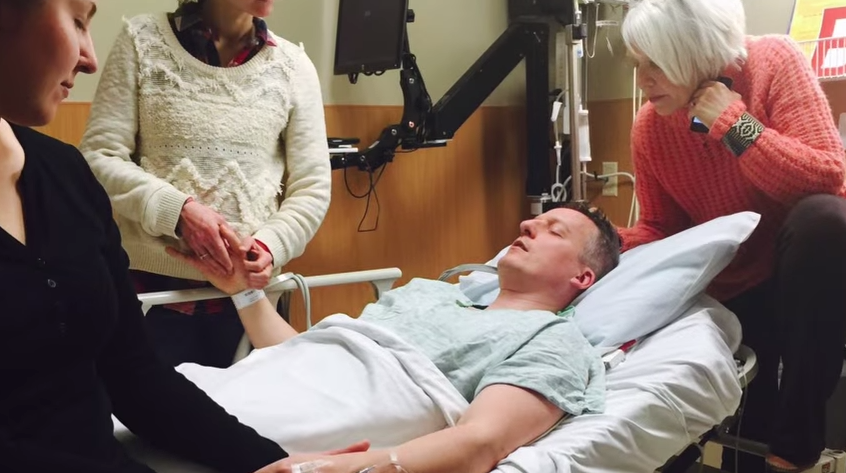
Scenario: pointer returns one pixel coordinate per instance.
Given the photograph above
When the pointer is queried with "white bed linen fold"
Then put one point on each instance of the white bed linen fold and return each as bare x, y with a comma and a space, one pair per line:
343, 381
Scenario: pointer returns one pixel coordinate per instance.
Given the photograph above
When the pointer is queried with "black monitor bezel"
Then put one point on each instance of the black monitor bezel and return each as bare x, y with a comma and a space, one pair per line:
375, 67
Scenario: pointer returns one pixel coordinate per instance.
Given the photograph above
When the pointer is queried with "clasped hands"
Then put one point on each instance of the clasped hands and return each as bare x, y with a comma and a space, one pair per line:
231, 262
353, 459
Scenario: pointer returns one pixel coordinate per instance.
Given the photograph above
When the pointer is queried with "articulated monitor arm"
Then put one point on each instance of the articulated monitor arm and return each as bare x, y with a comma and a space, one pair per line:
519, 41
425, 126
407, 134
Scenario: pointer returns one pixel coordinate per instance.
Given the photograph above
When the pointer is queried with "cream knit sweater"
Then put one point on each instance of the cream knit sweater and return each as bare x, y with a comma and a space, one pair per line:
165, 126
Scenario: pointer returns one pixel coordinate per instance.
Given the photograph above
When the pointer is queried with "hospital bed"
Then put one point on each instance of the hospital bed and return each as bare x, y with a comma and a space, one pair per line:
672, 390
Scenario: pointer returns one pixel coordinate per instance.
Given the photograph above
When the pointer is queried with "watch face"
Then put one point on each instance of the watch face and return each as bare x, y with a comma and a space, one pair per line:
697, 126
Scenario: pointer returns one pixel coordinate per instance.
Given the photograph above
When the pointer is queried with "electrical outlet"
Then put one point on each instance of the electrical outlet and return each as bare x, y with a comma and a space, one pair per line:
610, 187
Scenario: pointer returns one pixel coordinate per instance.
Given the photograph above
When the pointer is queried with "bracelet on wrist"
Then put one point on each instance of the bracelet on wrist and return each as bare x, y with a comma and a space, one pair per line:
743, 134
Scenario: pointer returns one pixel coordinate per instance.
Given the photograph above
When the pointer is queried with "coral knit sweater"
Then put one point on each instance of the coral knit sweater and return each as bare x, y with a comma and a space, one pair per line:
686, 178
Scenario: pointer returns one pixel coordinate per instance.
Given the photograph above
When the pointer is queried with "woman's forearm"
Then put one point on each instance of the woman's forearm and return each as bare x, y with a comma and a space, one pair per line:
460, 449
501, 419
264, 326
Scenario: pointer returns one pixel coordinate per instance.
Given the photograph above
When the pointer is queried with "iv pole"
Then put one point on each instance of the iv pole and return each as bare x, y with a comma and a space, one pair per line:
574, 99
575, 38
575, 34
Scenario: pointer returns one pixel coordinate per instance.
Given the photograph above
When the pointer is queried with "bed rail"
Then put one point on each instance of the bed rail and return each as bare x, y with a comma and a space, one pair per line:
381, 281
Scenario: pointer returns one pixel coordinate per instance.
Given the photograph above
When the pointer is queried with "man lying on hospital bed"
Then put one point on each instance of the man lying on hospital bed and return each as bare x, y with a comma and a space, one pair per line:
520, 362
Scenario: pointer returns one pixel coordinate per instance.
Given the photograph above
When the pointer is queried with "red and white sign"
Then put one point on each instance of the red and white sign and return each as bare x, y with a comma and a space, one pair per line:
829, 58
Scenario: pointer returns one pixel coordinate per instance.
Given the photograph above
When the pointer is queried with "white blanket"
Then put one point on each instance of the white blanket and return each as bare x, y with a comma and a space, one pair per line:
343, 381
673, 388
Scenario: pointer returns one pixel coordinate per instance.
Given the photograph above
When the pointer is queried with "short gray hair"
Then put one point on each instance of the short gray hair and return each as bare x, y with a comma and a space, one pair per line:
690, 40
602, 252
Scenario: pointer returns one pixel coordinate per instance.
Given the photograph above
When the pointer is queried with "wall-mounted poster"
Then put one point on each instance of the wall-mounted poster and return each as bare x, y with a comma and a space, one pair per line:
820, 28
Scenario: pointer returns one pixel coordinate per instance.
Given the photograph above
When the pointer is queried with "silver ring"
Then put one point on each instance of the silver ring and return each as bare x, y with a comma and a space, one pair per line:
204, 256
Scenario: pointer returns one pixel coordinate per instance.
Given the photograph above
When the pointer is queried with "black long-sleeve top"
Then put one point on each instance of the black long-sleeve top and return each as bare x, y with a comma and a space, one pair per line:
73, 348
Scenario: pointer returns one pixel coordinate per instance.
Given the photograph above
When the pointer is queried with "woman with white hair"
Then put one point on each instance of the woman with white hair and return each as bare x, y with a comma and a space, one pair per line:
205, 119
738, 123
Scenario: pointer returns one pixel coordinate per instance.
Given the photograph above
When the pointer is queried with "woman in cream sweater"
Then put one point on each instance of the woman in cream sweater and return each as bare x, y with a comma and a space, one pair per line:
205, 119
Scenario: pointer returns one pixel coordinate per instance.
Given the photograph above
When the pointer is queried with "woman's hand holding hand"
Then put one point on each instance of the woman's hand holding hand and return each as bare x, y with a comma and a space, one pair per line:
259, 264
231, 282
251, 263
200, 227
344, 460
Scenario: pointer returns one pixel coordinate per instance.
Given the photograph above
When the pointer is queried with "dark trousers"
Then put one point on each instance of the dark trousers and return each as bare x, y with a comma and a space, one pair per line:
205, 339
799, 318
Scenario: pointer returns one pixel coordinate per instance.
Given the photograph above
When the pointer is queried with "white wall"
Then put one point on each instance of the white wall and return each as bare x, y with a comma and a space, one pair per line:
447, 37
768, 16
104, 30
609, 74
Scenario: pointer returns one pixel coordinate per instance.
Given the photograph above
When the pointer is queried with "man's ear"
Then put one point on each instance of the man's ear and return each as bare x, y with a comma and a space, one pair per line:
584, 280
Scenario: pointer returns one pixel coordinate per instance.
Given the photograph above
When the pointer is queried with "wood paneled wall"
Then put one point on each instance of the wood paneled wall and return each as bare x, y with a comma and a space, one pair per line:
439, 207
70, 121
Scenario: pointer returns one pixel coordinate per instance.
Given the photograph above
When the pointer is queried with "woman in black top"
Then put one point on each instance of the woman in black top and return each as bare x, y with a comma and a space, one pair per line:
72, 344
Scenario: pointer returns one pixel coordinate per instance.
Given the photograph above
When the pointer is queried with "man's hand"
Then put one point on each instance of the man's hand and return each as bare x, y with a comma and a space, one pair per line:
259, 264
287, 465
200, 227
710, 101
232, 282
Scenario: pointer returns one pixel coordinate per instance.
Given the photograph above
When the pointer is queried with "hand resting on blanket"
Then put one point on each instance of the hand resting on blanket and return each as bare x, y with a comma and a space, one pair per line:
520, 362
499, 420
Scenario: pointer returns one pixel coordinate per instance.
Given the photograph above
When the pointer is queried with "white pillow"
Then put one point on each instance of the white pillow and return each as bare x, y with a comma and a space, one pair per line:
653, 285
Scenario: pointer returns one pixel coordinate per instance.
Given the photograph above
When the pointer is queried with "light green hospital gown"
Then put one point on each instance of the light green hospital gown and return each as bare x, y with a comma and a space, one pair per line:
536, 350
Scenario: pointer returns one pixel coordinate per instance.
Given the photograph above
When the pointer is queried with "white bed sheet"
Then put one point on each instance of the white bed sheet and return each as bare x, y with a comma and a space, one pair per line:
672, 388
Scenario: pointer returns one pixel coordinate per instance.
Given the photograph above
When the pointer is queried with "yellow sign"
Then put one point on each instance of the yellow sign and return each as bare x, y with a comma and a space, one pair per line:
807, 18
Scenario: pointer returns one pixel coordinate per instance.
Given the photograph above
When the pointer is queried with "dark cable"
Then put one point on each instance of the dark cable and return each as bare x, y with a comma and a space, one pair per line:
371, 193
